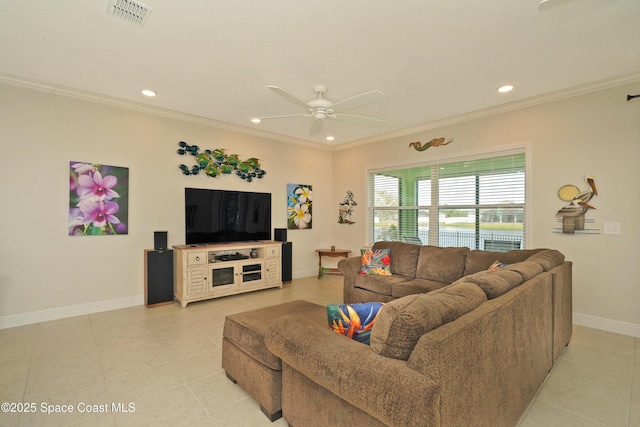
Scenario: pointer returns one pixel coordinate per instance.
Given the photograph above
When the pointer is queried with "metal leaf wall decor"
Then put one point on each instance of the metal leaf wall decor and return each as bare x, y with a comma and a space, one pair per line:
216, 162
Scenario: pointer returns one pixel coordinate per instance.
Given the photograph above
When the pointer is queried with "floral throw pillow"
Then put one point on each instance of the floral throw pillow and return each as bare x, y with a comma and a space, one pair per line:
497, 265
353, 320
376, 261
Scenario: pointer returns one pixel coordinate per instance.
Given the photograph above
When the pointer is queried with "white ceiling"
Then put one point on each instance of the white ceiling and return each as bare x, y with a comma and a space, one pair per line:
434, 59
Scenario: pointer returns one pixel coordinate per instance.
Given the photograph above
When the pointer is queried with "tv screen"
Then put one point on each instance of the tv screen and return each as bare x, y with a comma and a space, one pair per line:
219, 216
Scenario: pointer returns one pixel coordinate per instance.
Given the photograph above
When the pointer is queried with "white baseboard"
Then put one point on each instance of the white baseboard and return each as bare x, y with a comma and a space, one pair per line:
615, 326
69, 311
609, 325
304, 273
12, 321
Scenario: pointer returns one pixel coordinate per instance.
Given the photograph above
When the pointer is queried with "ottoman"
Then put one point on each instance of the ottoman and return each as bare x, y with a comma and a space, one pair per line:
247, 361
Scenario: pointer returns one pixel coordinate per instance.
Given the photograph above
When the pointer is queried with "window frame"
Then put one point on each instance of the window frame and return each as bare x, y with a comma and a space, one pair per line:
435, 208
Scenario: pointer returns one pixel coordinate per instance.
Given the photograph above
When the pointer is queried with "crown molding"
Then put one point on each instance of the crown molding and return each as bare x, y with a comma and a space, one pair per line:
448, 121
500, 109
148, 109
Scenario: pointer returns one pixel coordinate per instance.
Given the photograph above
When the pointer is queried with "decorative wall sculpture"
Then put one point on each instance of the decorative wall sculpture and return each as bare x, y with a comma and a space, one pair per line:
346, 209
436, 142
299, 204
98, 199
573, 214
217, 162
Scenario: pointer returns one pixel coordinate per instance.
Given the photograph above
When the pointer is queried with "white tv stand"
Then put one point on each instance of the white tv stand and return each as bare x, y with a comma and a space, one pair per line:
202, 271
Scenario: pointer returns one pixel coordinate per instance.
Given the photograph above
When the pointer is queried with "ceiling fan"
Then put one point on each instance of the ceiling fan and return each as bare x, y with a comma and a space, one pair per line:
321, 108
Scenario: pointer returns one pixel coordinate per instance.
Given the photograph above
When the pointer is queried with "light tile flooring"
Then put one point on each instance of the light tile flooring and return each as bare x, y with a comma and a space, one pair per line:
165, 362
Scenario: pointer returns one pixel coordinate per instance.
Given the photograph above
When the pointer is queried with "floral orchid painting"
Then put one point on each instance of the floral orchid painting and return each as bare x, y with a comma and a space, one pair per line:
98, 199
299, 202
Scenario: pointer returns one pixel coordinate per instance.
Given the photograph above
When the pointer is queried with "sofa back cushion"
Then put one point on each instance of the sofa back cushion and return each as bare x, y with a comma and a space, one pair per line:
479, 260
404, 257
495, 283
441, 264
403, 321
526, 269
547, 259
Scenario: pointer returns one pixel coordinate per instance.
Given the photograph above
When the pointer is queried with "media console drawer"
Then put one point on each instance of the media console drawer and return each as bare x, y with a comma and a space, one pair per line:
274, 251
195, 258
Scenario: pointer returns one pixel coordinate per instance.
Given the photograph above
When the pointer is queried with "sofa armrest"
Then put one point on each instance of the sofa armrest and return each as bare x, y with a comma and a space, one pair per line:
350, 269
385, 388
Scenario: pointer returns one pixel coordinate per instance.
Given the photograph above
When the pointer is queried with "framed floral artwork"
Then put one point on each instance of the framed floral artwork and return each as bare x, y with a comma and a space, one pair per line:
299, 206
98, 199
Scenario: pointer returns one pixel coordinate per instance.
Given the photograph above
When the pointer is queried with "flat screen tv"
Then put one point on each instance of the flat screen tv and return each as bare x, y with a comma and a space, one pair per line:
220, 216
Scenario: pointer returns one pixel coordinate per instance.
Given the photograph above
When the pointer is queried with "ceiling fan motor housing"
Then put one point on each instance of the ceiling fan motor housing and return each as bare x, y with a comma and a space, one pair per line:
320, 108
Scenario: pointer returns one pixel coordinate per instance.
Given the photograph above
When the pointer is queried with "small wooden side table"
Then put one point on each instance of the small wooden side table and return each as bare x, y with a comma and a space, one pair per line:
330, 253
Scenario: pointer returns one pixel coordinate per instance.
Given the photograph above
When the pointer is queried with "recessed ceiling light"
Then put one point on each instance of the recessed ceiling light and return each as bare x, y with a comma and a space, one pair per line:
255, 120
505, 88
330, 138
149, 92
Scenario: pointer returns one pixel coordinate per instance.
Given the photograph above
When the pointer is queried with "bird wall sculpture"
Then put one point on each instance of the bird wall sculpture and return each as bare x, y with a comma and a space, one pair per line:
436, 142
346, 209
573, 214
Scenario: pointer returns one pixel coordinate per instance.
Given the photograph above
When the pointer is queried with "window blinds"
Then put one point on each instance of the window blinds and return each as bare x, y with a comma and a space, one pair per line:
476, 202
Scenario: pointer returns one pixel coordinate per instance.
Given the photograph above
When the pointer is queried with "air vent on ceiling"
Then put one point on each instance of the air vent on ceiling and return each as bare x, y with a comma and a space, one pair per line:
129, 10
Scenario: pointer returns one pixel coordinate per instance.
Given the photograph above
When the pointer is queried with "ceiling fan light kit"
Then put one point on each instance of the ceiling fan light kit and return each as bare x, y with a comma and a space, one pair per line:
321, 108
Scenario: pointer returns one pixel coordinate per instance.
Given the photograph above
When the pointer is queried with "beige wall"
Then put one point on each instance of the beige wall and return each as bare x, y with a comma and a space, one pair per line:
596, 133
44, 273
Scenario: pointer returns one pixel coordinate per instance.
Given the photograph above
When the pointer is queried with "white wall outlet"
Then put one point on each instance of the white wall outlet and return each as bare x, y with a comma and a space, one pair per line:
612, 228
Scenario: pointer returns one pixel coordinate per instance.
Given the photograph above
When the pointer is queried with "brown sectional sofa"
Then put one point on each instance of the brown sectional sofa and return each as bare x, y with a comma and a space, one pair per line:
419, 269
473, 352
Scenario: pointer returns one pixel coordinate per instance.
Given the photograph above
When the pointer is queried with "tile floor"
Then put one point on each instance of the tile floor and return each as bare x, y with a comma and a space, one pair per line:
165, 362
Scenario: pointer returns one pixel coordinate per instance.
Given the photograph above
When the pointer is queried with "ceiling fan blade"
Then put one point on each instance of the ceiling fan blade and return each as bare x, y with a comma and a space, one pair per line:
361, 120
289, 96
316, 126
358, 101
283, 116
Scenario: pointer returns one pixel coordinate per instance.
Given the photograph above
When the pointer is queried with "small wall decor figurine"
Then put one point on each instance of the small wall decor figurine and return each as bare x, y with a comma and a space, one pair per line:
346, 209
217, 162
436, 142
573, 214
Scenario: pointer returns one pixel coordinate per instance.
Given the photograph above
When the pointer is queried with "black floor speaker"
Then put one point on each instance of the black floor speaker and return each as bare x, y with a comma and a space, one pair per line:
287, 260
158, 277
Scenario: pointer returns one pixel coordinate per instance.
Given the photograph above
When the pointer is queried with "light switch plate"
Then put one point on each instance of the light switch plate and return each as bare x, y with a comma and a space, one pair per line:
612, 228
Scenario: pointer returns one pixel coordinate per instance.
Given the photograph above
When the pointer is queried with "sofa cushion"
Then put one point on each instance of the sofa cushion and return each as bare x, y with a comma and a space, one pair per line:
353, 320
404, 257
526, 269
547, 259
403, 321
375, 261
379, 284
495, 283
416, 286
479, 260
441, 264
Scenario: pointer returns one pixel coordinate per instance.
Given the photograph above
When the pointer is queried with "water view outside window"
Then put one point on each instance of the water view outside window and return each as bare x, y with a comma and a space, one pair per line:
477, 203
